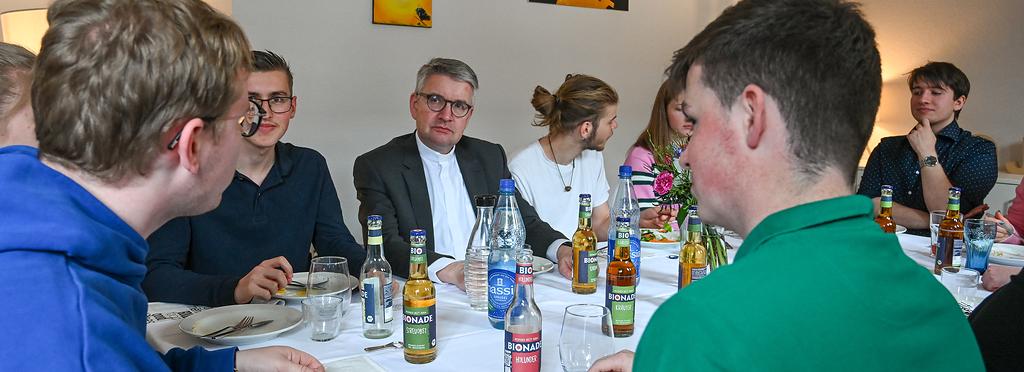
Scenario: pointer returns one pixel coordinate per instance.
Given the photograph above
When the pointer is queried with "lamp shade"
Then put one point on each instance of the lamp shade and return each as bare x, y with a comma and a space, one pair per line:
24, 27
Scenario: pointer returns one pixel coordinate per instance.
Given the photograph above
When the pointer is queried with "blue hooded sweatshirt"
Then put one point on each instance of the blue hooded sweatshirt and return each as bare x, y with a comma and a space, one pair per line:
72, 273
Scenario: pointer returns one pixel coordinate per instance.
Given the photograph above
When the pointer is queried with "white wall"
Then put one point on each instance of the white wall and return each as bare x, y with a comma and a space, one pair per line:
354, 78
984, 38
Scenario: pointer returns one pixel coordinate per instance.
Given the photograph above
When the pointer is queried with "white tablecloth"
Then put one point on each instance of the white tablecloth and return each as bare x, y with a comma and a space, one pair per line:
465, 338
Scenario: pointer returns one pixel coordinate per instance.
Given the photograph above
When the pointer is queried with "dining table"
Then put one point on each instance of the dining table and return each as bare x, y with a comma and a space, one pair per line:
465, 338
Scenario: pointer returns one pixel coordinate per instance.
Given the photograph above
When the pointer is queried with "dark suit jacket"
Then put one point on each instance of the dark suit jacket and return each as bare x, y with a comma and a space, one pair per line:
389, 181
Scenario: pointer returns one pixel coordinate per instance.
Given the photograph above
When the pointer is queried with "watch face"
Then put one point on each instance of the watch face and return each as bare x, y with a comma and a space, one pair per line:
929, 161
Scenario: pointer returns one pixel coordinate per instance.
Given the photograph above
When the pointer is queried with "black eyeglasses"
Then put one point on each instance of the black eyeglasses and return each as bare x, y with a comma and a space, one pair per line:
278, 105
249, 122
436, 103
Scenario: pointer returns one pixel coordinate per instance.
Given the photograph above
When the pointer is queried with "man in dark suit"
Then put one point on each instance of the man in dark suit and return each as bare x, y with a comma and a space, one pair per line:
427, 179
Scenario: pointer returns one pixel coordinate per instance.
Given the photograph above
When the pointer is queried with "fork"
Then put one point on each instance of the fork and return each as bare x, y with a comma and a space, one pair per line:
236, 330
319, 285
245, 322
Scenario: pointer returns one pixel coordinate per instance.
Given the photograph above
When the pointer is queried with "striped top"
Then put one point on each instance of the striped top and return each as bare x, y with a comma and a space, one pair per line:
643, 180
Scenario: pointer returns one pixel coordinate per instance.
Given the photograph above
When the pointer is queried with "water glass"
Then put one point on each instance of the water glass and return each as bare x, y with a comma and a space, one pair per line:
934, 218
979, 235
962, 283
324, 315
586, 336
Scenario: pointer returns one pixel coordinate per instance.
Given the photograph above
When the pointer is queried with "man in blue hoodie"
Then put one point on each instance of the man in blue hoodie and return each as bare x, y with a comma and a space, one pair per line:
138, 106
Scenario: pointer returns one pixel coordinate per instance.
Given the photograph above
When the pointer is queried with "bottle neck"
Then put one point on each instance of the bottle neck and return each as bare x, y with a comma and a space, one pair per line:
418, 267
953, 208
693, 236
585, 213
374, 244
524, 282
622, 250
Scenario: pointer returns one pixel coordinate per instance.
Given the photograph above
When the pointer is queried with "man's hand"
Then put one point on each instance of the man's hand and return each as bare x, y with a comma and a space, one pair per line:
564, 256
922, 139
276, 358
621, 361
655, 218
455, 274
264, 280
997, 276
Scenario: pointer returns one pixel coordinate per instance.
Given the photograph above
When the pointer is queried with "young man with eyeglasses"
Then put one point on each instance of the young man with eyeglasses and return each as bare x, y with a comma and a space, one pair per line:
280, 200
115, 82
427, 179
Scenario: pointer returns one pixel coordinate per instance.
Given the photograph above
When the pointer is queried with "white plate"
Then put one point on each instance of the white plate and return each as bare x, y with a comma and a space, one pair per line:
542, 265
285, 318
1007, 254
901, 229
299, 294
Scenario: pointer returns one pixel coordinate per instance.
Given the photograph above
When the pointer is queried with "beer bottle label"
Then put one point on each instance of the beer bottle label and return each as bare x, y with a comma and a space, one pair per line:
420, 328
388, 308
886, 202
500, 290
586, 267
370, 300
621, 300
524, 274
374, 237
698, 273
522, 352
417, 255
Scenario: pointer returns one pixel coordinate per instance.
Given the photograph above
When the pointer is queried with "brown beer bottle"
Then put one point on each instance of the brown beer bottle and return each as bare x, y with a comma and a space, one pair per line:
951, 233
884, 218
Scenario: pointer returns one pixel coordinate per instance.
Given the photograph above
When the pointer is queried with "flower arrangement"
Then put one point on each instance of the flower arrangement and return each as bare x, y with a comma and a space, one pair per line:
673, 187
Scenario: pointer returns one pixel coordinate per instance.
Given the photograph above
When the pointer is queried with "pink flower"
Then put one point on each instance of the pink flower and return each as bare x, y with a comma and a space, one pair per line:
663, 183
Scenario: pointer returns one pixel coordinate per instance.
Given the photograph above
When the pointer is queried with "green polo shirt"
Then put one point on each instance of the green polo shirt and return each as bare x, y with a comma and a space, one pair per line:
817, 287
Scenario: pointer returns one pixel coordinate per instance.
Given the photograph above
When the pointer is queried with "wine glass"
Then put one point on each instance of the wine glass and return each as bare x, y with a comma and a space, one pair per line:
328, 276
586, 336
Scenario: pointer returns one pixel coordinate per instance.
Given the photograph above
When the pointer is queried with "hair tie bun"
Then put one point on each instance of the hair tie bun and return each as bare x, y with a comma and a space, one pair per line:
555, 98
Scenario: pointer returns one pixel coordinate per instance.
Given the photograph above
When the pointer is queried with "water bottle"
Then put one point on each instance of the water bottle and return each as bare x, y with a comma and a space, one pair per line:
625, 205
507, 236
477, 252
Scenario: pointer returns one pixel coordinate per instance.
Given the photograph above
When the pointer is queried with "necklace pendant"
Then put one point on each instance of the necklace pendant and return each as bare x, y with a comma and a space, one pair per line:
568, 188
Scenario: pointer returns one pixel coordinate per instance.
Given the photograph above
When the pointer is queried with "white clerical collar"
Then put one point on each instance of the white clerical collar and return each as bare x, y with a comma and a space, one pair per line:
427, 153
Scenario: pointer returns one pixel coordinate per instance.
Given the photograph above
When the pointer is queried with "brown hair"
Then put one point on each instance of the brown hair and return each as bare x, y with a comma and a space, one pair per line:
580, 98
658, 131
15, 80
818, 60
113, 76
937, 74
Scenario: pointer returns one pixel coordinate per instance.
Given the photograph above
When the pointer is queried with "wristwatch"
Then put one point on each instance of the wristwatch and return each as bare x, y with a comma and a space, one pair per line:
929, 161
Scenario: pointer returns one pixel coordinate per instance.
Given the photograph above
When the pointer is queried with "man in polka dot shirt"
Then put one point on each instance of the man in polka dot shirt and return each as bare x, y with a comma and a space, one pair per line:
936, 155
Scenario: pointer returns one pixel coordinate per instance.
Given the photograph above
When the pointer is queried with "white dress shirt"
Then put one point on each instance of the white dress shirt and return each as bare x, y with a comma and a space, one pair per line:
450, 207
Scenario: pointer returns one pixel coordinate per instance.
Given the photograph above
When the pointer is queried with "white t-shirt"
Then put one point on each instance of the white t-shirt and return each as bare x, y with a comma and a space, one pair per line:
537, 180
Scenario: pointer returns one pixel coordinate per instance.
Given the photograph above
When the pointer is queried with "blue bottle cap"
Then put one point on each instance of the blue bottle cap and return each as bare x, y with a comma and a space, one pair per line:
886, 187
418, 232
506, 185
622, 219
374, 217
625, 171
954, 188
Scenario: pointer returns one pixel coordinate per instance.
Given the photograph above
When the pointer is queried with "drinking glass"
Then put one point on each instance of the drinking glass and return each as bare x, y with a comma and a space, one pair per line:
328, 275
586, 336
962, 283
324, 315
934, 218
978, 238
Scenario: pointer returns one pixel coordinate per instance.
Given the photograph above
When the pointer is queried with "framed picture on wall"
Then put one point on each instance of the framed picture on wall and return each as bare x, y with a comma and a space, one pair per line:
415, 13
599, 4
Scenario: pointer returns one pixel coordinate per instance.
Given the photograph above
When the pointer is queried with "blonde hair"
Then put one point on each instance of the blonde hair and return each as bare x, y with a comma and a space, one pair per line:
580, 98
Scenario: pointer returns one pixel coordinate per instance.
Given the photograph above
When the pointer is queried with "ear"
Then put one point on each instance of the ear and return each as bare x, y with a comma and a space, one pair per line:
190, 144
295, 107
958, 104
585, 128
755, 117
412, 104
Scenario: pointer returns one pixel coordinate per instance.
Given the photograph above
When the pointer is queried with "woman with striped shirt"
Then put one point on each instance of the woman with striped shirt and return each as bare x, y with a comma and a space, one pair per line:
667, 124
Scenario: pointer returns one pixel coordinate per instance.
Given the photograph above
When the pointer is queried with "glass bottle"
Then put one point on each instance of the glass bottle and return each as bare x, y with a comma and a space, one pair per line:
523, 320
375, 283
950, 242
584, 252
507, 236
477, 251
625, 205
620, 287
419, 305
884, 218
693, 264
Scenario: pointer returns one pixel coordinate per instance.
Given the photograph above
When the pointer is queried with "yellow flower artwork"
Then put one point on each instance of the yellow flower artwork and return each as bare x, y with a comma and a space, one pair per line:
599, 4
414, 13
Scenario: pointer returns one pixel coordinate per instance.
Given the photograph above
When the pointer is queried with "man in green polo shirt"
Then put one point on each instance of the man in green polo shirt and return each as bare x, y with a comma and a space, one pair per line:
783, 95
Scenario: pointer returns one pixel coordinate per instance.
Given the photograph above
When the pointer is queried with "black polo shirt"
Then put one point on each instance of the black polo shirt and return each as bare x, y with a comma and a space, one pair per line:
200, 259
